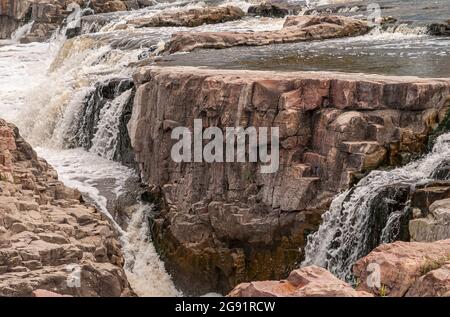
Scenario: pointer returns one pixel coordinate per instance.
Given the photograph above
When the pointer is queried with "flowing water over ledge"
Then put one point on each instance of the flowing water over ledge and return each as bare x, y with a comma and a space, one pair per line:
25, 85
382, 53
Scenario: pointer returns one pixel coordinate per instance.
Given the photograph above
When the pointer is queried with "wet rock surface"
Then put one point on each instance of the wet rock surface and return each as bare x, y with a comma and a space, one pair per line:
295, 29
435, 226
84, 129
274, 9
219, 222
49, 239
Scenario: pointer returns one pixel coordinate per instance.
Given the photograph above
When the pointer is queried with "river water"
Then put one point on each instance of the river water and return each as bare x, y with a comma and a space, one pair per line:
43, 87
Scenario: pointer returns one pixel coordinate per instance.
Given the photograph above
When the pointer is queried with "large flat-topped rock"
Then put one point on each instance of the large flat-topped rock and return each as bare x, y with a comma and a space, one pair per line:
190, 17
220, 221
341, 90
295, 29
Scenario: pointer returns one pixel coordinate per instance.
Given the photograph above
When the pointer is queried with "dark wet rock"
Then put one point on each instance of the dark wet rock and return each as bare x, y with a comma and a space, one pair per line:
276, 10
84, 129
441, 29
427, 194
442, 172
435, 226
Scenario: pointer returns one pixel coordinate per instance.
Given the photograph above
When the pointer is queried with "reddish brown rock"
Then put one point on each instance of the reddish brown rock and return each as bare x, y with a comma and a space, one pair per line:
226, 223
311, 281
45, 293
106, 6
435, 283
191, 17
12, 15
49, 239
407, 268
296, 29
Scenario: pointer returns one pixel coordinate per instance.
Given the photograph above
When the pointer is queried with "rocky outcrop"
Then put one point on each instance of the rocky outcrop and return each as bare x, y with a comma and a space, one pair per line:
407, 269
397, 269
12, 15
440, 29
435, 226
435, 283
49, 239
274, 9
295, 29
221, 221
191, 17
311, 281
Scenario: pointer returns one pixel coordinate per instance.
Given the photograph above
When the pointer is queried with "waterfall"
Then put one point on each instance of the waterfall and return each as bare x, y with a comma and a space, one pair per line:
145, 270
105, 139
22, 31
371, 213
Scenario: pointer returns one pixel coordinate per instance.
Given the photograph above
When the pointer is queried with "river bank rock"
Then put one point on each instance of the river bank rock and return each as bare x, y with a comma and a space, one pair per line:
12, 15
435, 226
295, 29
190, 18
407, 269
311, 281
226, 223
274, 9
49, 239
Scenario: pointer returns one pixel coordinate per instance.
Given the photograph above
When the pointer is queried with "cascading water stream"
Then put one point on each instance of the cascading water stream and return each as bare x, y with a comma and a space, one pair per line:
369, 214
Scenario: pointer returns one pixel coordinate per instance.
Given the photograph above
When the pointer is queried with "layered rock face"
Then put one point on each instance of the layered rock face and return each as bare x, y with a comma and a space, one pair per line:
48, 15
295, 29
436, 225
12, 14
49, 239
311, 281
226, 223
408, 269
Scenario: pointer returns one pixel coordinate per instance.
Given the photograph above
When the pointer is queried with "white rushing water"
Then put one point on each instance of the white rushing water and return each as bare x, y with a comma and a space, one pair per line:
42, 99
344, 234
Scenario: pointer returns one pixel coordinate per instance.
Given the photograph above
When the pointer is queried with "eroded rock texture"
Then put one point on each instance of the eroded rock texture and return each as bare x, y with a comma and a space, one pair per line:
226, 223
311, 281
50, 240
295, 29
407, 269
191, 17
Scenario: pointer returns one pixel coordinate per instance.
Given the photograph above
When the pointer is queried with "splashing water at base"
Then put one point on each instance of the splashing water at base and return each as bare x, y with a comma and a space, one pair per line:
145, 271
102, 180
346, 231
